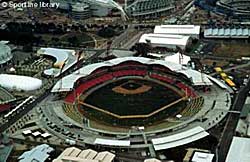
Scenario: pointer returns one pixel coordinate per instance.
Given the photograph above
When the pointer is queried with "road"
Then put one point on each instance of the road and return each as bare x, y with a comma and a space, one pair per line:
235, 67
231, 124
16, 116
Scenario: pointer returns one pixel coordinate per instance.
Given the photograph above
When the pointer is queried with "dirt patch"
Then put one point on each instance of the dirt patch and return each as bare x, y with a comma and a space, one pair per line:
234, 50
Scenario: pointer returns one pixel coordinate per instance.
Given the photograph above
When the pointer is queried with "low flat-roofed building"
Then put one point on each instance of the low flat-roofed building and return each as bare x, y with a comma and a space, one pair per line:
202, 157
188, 30
73, 154
239, 150
152, 160
38, 154
167, 41
227, 32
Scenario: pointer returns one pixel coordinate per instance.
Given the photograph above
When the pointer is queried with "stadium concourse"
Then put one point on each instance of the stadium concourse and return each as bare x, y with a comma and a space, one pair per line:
199, 103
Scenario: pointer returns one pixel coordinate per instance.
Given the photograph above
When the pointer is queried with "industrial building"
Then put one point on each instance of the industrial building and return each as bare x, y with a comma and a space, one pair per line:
39, 153
74, 154
238, 33
237, 7
149, 8
166, 40
188, 30
239, 150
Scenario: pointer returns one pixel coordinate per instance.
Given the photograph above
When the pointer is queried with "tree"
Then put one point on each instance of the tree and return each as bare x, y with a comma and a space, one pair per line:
106, 32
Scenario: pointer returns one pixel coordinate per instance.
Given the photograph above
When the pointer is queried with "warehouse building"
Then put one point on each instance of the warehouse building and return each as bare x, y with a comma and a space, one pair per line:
187, 30
167, 41
238, 33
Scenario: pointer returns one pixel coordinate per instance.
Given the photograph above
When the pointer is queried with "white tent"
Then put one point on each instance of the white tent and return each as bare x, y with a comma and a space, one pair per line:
19, 82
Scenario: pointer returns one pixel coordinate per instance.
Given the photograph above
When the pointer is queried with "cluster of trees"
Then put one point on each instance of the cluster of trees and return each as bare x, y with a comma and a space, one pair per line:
28, 34
43, 28
110, 31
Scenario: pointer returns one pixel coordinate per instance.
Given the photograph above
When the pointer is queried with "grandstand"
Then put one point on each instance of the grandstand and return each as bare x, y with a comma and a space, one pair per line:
135, 92
5, 96
149, 8
113, 99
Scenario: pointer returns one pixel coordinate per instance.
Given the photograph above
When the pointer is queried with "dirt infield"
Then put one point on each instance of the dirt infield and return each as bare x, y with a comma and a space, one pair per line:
142, 89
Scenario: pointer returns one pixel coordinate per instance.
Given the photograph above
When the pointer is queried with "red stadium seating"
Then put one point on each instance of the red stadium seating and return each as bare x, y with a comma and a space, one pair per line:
4, 107
129, 73
187, 89
180, 85
70, 98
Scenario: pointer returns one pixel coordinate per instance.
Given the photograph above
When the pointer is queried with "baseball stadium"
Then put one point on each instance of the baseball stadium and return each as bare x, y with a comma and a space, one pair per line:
114, 103
239, 7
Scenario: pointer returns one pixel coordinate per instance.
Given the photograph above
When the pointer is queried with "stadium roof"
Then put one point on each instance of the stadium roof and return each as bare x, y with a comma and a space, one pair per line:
227, 33
110, 142
177, 29
67, 83
197, 77
19, 82
39, 154
179, 139
164, 40
62, 56
239, 150
178, 58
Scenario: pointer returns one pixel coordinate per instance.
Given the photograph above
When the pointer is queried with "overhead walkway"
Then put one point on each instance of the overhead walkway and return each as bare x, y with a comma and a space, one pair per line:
179, 139
110, 142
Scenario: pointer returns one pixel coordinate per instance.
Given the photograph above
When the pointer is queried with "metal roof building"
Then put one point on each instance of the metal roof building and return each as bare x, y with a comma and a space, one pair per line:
227, 33
74, 154
109, 142
190, 30
202, 157
179, 139
38, 154
239, 150
165, 40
